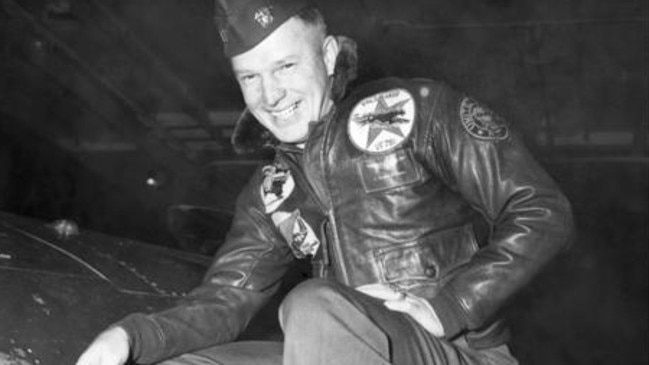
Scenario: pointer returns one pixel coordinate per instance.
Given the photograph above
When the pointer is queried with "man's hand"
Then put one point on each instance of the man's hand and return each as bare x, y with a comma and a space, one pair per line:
417, 308
111, 347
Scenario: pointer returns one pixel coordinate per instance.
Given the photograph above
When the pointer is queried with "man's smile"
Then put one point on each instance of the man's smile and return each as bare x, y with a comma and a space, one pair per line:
286, 112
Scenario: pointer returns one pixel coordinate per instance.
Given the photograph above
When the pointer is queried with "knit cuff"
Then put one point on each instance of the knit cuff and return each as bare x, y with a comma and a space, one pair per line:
145, 337
452, 317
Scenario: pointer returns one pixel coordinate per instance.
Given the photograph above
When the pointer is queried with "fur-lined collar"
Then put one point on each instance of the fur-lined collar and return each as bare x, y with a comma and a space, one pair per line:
249, 135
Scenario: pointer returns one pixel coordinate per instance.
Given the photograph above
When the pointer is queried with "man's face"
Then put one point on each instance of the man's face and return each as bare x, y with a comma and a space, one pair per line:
284, 79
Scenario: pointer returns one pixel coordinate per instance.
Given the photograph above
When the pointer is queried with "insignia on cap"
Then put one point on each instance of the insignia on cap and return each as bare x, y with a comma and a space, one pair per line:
482, 123
382, 122
263, 16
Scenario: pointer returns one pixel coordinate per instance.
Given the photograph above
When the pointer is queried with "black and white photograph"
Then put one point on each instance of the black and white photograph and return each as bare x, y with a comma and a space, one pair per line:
312, 182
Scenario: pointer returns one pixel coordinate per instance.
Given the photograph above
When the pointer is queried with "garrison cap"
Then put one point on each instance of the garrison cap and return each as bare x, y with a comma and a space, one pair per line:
243, 24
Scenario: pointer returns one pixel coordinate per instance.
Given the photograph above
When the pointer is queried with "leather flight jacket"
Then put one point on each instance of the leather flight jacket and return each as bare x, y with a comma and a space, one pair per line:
407, 183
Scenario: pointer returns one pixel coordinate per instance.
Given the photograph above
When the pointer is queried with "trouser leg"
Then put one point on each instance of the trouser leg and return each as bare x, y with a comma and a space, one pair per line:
328, 323
235, 353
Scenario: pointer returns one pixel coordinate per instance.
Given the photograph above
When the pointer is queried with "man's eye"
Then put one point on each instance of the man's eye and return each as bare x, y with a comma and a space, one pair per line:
287, 67
246, 79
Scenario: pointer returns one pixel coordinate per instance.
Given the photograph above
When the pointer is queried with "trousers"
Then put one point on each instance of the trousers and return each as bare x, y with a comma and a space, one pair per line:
328, 323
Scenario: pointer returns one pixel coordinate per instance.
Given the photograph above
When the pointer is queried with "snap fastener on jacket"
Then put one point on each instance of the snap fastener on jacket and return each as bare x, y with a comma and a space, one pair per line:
430, 271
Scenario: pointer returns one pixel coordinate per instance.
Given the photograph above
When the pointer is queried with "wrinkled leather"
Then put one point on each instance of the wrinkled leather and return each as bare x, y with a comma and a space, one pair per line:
475, 221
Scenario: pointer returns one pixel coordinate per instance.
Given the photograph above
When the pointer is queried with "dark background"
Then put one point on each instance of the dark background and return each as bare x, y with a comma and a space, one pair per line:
98, 96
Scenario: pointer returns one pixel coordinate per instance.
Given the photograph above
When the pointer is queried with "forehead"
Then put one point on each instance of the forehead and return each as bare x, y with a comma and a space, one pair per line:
294, 38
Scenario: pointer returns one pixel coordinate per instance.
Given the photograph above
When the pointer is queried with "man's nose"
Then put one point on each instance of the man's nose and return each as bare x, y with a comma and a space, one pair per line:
273, 91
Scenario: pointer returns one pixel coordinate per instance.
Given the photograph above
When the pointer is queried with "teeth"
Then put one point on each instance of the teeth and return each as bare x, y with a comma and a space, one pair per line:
286, 112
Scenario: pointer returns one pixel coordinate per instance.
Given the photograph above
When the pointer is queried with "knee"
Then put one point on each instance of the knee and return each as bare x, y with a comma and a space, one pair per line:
309, 300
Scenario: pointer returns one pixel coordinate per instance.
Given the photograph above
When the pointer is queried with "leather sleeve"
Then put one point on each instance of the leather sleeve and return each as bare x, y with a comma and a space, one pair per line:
530, 218
245, 273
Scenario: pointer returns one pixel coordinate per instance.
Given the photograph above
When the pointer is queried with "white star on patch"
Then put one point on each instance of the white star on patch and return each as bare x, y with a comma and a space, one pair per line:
382, 121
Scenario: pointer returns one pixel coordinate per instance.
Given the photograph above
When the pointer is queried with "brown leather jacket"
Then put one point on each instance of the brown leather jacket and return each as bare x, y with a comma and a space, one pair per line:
406, 183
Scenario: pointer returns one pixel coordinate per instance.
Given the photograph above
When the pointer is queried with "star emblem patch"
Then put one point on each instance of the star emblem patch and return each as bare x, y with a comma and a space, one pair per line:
382, 122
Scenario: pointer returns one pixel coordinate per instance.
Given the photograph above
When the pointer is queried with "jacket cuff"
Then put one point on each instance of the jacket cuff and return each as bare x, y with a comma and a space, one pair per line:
452, 317
145, 337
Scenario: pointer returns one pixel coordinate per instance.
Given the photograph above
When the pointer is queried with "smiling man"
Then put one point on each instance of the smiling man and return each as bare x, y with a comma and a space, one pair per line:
420, 211
285, 79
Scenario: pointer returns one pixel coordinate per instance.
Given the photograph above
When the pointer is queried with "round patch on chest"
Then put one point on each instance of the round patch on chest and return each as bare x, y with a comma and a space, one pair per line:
382, 122
480, 122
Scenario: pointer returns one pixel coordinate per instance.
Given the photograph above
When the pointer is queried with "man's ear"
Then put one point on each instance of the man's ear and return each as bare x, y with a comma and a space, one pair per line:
330, 51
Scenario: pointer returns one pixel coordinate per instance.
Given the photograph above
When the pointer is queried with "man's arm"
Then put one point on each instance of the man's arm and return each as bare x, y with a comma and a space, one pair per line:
531, 220
246, 272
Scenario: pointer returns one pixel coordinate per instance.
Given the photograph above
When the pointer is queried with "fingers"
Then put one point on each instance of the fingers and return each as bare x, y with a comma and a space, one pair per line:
380, 291
400, 304
109, 348
419, 310
101, 357
415, 307
95, 356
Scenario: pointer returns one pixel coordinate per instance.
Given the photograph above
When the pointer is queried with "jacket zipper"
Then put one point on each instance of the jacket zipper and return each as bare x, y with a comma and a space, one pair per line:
335, 245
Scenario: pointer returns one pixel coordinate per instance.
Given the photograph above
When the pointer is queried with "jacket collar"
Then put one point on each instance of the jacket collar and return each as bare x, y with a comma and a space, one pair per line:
249, 135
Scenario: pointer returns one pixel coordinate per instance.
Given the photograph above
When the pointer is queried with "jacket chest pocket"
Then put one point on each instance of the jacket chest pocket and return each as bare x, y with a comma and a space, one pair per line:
427, 260
388, 171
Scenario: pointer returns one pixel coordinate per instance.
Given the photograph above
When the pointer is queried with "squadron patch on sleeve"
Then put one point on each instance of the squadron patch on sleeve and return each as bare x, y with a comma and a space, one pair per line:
277, 186
297, 232
382, 122
482, 123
